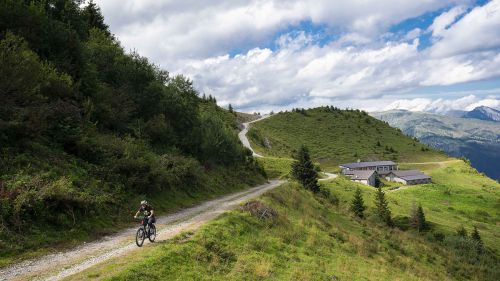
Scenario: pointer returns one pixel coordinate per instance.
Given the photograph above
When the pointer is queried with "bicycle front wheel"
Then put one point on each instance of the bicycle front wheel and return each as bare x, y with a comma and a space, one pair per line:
140, 236
152, 233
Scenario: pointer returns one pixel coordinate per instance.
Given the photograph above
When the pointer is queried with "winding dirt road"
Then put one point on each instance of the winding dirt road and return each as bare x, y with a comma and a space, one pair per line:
242, 135
60, 265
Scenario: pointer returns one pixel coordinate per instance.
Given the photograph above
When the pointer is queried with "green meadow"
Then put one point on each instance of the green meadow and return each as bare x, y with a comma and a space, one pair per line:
336, 136
315, 237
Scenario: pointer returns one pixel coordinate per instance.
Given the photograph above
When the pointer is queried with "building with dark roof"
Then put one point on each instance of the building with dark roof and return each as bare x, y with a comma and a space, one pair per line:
367, 177
382, 167
408, 177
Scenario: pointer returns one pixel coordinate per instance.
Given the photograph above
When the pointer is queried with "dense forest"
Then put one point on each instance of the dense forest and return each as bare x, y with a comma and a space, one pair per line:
86, 128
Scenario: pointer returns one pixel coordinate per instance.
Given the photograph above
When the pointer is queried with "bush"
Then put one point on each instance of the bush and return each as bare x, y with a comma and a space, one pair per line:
326, 194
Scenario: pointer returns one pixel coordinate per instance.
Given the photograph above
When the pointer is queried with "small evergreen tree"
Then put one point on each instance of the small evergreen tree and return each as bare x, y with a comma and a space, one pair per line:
383, 211
230, 108
303, 170
358, 205
417, 218
462, 232
476, 237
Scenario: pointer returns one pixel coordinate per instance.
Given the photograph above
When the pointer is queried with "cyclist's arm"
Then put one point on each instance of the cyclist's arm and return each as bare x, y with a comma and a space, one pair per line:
152, 213
136, 214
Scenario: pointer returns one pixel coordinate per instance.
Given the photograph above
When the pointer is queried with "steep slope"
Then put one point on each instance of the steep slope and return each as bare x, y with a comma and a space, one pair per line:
477, 140
88, 130
334, 136
484, 113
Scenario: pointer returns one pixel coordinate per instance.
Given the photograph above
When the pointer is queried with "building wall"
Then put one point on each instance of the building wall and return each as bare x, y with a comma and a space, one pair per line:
370, 181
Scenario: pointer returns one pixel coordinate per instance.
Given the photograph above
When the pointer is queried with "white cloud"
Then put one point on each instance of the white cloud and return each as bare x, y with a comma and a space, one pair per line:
444, 105
167, 30
220, 46
477, 30
442, 22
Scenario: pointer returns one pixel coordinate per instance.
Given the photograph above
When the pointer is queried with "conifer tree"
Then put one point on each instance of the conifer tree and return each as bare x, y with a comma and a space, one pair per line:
358, 205
230, 108
476, 237
303, 170
462, 232
417, 218
383, 211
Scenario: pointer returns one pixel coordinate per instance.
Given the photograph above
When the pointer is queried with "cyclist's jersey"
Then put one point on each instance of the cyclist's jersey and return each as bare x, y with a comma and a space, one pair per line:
146, 210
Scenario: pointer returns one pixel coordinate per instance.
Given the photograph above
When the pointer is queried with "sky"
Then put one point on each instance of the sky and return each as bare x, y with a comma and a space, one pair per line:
425, 55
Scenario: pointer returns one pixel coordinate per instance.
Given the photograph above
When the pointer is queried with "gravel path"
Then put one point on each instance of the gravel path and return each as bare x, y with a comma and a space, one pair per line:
328, 176
243, 135
63, 264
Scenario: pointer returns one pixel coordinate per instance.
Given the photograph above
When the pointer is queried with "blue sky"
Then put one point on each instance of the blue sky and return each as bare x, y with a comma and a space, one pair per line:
434, 55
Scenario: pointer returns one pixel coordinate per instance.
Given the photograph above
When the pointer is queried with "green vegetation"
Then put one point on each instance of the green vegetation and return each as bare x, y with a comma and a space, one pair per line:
86, 130
336, 136
358, 204
276, 167
417, 218
382, 207
311, 238
303, 170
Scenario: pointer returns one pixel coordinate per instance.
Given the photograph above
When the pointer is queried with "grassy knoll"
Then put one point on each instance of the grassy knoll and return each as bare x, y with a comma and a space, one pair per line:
316, 238
276, 167
334, 136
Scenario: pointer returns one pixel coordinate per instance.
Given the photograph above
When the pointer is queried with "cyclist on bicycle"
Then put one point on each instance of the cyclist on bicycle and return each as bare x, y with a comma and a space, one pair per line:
148, 212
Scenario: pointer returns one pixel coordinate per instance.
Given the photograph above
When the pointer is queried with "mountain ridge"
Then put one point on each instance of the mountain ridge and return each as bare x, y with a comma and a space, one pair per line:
477, 140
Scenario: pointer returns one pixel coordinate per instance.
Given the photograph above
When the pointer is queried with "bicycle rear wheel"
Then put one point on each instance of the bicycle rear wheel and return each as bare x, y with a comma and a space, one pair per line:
140, 236
152, 233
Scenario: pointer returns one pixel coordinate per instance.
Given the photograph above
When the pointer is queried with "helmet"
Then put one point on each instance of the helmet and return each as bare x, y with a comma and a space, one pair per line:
144, 202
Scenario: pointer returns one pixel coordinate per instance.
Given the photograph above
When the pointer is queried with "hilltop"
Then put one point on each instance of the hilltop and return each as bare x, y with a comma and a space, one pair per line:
335, 136
474, 139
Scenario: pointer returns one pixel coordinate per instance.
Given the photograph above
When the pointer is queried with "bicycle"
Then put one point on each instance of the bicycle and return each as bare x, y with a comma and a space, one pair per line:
145, 231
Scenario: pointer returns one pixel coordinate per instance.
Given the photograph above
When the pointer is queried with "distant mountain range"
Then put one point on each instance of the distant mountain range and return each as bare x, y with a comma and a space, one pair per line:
480, 112
484, 113
468, 136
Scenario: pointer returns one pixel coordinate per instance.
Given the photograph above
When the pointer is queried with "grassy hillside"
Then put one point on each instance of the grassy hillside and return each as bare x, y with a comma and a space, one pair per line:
87, 130
316, 237
334, 136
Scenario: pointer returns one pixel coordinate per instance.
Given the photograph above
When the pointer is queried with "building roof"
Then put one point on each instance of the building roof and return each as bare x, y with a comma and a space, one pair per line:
410, 174
362, 175
367, 164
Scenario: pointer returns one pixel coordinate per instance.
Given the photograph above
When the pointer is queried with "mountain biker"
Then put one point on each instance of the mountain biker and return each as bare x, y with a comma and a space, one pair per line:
148, 212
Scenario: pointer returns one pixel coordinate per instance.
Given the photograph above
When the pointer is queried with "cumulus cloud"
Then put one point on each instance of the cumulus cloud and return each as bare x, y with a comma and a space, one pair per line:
467, 103
477, 30
256, 54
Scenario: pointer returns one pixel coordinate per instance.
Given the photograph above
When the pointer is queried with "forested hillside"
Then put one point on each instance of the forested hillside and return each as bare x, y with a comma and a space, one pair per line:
335, 136
87, 130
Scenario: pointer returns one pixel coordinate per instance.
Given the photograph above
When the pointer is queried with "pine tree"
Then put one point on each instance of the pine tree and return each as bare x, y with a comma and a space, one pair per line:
383, 211
230, 108
358, 205
417, 218
303, 170
476, 237
462, 232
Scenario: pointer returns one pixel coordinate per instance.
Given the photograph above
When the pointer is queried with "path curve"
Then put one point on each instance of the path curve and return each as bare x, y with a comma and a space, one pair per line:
242, 135
63, 264
329, 176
